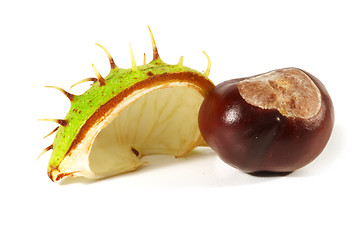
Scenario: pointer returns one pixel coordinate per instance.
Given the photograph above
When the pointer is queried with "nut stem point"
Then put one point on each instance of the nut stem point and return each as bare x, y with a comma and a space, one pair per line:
181, 61
82, 81
45, 150
153, 43
52, 132
67, 94
62, 122
98, 76
111, 60
207, 71
133, 63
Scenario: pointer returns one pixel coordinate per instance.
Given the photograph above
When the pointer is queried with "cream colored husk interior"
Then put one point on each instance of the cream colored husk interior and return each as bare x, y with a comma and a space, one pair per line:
163, 121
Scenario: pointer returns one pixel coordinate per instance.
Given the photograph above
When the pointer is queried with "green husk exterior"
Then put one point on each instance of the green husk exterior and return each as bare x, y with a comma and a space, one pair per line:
85, 105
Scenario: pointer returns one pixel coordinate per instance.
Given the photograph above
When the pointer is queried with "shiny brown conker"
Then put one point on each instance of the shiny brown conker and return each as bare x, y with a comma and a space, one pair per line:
272, 123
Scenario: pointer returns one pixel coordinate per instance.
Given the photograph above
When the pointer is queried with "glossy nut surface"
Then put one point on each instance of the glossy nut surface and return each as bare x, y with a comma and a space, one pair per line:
268, 136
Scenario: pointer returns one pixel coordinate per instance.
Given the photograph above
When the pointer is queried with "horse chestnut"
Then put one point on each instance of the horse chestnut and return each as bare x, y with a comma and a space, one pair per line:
273, 123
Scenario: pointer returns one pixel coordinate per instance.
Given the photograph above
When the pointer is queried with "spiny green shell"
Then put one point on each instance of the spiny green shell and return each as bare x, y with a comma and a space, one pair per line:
103, 102
85, 105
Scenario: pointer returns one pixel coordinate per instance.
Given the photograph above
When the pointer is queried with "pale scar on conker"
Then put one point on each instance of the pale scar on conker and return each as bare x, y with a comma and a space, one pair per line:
290, 91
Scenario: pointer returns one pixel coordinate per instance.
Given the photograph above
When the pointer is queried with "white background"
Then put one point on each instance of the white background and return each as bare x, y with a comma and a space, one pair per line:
199, 197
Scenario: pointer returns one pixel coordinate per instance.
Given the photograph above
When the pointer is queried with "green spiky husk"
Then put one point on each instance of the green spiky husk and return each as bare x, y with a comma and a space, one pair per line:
85, 105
